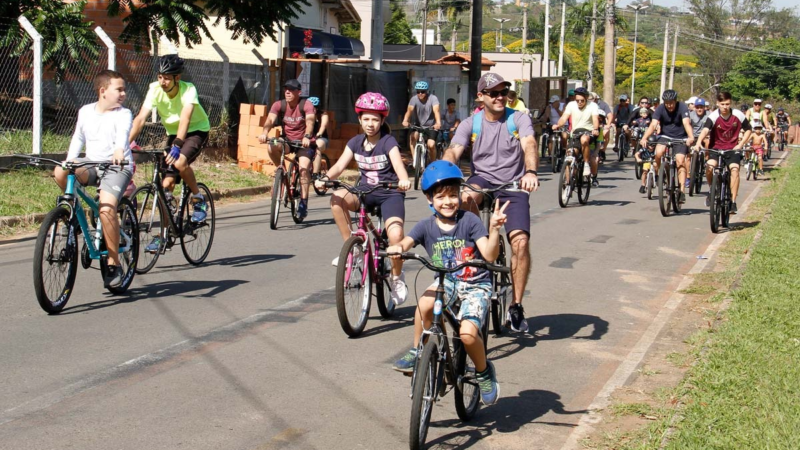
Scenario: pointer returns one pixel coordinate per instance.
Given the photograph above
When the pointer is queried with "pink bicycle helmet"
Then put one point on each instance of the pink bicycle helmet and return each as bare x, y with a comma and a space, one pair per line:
372, 102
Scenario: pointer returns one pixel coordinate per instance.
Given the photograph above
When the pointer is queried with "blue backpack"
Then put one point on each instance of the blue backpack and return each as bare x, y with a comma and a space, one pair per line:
477, 122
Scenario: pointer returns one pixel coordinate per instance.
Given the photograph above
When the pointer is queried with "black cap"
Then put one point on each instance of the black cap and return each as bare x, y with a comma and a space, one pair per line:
292, 84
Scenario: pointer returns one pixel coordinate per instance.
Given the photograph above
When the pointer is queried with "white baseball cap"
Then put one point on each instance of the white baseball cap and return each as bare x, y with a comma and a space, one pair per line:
554, 98
691, 100
757, 100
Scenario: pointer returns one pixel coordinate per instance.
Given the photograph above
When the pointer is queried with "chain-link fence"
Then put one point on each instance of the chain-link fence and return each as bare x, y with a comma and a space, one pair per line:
16, 85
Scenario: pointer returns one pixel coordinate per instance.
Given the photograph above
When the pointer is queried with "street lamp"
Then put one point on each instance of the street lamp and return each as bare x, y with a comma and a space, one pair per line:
636, 8
500, 44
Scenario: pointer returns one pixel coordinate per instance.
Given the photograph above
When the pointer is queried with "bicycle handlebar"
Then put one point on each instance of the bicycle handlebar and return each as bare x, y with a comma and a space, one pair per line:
419, 128
68, 165
290, 143
719, 152
512, 186
335, 184
429, 264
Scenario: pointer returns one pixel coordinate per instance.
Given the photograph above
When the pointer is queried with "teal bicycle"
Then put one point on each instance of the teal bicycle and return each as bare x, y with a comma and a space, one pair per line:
55, 261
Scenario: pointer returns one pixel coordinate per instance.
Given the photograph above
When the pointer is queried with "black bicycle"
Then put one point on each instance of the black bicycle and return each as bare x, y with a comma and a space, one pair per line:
636, 137
720, 190
669, 192
622, 146
502, 287
572, 178
558, 152
162, 223
442, 361
697, 171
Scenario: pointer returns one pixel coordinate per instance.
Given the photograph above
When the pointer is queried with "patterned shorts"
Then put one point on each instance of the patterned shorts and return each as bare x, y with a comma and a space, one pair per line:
474, 299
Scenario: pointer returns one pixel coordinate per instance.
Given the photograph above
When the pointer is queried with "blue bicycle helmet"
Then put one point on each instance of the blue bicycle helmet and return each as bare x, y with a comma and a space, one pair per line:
314, 100
437, 172
421, 86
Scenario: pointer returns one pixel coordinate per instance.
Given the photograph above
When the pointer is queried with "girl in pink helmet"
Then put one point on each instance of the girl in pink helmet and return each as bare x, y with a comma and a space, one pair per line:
377, 154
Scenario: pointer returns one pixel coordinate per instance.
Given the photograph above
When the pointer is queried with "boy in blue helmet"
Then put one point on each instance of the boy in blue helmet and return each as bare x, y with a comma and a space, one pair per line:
452, 236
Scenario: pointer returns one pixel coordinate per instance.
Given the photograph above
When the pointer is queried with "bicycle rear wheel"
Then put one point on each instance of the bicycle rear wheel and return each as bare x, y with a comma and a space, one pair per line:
128, 251
423, 393
353, 286
748, 168
383, 288
565, 184
715, 206
294, 186
467, 392
55, 261
196, 238
152, 223
664, 183
278, 191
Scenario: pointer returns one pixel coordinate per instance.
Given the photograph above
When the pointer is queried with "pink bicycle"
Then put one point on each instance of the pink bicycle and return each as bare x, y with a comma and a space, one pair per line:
360, 268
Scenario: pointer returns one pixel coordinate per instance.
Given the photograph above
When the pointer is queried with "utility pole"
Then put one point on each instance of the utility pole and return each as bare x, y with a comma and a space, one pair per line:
609, 76
636, 8
499, 44
453, 38
524, 26
674, 51
475, 49
561, 40
439, 26
424, 31
546, 55
664, 60
377, 34
693, 76
590, 81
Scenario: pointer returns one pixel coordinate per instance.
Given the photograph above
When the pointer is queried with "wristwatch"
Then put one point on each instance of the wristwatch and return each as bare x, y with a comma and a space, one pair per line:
531, 171
307, 136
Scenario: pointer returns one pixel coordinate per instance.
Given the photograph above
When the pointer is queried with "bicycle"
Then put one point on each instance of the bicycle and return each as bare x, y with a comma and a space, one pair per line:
572, 176
668, 190
55, 260
502, 287
649, 164
420, 156
324, 165
750, 163
768, 150
286, 183
165, 222
697, 172
720, 192
782, 129
360, 267
622, 146
636, 136
544, 139
557, 154
442, 362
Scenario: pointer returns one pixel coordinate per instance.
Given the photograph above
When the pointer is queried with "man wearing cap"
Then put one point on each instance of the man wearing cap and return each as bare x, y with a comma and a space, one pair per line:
502, 152
622, 116
584, 115
426, 108
570, 96
552, 113
690, 103
297, 122
755, 115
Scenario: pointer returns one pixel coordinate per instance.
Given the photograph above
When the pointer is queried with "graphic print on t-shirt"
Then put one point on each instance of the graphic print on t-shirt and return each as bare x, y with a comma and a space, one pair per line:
450, 251
370, 165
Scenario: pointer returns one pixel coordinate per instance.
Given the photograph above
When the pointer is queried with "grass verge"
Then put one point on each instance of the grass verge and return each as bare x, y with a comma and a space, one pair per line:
12, 142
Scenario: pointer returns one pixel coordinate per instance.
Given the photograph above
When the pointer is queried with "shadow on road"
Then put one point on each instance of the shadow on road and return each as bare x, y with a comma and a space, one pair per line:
566, 326
160, 290
233, 261
608, 202
508, 415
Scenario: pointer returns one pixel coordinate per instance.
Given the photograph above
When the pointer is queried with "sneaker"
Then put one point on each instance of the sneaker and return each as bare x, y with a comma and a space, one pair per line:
734, 210
602, 154
642, 189
302, 209
516, 318
399, 289
682, 198
594, 181
114, 278
487, 382
406, 363
686, 184
587, 170
200, 206
761, 173
154, 246
708, 201
335, 262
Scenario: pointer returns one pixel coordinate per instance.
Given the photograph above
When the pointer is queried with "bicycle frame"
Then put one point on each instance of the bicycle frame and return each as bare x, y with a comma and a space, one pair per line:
175, 223
364, 230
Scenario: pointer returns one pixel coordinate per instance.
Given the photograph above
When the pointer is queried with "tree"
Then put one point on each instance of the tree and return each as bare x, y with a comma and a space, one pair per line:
773, 75
398, 31
351, 30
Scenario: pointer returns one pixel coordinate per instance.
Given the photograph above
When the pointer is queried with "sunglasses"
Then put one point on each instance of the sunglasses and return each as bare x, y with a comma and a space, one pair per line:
495, 94
422, 92
580, 100
756, 103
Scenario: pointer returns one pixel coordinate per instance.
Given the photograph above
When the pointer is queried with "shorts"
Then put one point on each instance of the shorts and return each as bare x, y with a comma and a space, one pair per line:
192, 146
474, 298
729, 157
518, 213
592, 139
391, 203
115, 180
310, 152
431, 134
324, 141
759, 150
677, 149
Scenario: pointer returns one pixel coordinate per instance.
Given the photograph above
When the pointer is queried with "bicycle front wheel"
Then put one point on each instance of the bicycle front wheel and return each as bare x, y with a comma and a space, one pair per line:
128, 246
353, 286
676, 190
383, 288
502, 287
423, 393
565, 185
196, 238
637, 170
622, 148
419, 165
664, 183
150, 218
278, 191
715, 206
467, 392
294, 186
584, 185
55, 261
651, 181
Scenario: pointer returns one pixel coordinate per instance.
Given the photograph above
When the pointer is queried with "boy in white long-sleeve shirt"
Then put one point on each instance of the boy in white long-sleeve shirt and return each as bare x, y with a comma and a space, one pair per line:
103, 129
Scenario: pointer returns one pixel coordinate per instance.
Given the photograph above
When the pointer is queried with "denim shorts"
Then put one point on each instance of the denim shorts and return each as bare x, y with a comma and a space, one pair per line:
474, 297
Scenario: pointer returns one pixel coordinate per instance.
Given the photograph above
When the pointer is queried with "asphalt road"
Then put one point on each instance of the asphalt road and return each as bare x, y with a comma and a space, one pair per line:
245, 352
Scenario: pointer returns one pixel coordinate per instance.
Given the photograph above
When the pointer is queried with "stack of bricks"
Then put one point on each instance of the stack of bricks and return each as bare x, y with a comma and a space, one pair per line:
253, 154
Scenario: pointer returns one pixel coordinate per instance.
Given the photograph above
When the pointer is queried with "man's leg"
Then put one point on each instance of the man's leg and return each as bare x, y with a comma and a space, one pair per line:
431, 150
734, 168
413, 142
712, 163
520, 269
660, 149
305, 175
187, 174
274, 153
321, 144
587, 153
680, 160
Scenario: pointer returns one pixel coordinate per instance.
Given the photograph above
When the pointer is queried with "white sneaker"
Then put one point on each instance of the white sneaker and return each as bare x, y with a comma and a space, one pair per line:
335, 262
399, 289
586, 170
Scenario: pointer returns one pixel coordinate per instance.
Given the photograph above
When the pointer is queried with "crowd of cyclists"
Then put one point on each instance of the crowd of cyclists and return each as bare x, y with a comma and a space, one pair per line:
501, 142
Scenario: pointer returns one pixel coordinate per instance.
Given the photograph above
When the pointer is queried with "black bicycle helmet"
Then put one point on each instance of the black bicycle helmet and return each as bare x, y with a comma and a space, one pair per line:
170, 65
582, 91
669, 95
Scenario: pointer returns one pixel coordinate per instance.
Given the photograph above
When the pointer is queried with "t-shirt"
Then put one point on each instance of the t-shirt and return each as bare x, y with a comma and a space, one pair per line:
101, 133
449, 120
318, 123
519, 105
294, 120
672, 122
603, 106
375, 165
757, 118
451, 248
783, 118
554, 115
622, 114
697, 121
581, 119
641, 122
497, 156
424, 111
169, 109
725, 131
